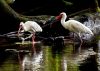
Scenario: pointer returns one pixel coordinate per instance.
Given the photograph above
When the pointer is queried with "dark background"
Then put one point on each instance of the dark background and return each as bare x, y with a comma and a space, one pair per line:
51, 7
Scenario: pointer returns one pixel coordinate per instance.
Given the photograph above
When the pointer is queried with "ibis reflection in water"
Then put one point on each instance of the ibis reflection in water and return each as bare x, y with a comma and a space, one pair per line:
32, 63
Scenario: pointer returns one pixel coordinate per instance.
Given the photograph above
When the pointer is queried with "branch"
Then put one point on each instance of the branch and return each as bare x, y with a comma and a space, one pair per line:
7, 9
67, 3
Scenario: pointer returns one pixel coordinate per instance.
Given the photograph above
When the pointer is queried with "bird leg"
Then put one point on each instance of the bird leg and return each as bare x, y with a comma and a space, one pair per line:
33, 37
33, 43
80, 42
74, 43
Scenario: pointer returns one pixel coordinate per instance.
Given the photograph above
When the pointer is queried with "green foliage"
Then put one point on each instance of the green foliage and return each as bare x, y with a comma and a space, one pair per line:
97, 6
98, 9
72, 66
9, 65
68, 52
48, 66
10, 1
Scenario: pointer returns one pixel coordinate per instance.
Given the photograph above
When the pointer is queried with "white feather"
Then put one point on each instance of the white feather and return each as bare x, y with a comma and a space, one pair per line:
74, 26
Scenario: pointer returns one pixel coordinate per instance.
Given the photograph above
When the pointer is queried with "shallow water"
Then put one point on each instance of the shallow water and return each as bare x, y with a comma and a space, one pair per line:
46, 59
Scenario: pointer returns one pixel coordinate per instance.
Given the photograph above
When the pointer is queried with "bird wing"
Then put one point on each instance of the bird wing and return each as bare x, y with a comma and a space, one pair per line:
32, 26
77, 26
35, 27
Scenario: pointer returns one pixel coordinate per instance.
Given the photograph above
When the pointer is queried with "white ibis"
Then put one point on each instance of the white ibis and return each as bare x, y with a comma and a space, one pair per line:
73, 26
29, 26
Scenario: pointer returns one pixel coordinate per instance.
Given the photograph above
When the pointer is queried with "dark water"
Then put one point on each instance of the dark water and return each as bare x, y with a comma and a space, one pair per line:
46, 58
8, 61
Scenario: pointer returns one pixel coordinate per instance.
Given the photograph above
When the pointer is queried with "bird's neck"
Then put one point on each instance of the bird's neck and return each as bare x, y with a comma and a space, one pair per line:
63, 20
24, 27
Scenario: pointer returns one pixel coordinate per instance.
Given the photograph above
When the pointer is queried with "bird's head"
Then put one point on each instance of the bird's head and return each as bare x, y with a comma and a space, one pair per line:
62, 14
58, 18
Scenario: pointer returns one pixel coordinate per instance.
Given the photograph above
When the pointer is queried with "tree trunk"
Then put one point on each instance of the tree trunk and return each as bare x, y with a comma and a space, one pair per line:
7, 9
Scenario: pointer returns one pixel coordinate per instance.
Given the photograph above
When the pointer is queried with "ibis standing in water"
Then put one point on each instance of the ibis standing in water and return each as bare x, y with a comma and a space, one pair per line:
74, 26
29, 26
